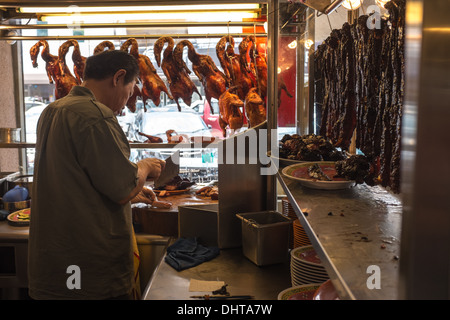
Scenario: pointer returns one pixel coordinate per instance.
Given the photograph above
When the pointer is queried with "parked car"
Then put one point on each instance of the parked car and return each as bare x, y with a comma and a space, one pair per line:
33, 102
212, 120
31, 119
156, 123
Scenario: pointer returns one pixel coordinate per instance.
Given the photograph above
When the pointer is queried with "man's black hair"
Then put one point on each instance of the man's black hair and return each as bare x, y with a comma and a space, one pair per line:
107, 63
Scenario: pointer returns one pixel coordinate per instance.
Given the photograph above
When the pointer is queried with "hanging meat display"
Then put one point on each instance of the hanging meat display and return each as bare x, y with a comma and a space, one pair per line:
230, 106
180, 84
359, 83
102, 45
255, 108
152, 84
213, 80
57, 71
236, 71
79, 61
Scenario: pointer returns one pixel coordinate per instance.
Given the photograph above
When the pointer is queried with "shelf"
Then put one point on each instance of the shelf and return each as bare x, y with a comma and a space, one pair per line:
351, 230
20, 145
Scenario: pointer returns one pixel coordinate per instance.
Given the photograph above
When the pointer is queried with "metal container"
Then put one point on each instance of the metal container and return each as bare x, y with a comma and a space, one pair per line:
16, 206
9, 135
265, 237
25, 181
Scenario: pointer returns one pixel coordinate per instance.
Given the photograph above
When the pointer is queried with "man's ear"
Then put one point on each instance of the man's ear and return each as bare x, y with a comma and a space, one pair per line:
119, 76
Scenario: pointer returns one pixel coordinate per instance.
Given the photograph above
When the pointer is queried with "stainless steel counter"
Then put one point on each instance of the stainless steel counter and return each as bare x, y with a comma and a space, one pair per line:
231, 266
352, 230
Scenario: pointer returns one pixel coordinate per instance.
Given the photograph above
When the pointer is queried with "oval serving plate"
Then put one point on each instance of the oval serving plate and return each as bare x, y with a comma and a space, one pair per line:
302, 292
297, 172
20, 218
283, 162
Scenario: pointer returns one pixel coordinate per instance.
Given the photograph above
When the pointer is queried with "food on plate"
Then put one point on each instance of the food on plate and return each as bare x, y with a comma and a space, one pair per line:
176, 183
311, 172
230, 111
309, 147
57, 71
150, 138
356, 167
174, 137
209, 191
213, 80
152, 84
180, 83
316, 172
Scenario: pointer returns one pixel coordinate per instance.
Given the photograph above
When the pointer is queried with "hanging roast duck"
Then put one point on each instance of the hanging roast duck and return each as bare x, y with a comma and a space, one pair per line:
180, 84
57, 71
213, 80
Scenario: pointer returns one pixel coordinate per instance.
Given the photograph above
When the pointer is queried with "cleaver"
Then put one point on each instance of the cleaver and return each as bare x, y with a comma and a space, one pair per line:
171, 170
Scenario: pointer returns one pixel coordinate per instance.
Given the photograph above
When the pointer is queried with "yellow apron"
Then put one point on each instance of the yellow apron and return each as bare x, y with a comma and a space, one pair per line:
136, 257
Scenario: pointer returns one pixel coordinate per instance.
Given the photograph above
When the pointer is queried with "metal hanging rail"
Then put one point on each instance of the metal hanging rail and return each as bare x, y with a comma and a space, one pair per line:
126, 36
132, 25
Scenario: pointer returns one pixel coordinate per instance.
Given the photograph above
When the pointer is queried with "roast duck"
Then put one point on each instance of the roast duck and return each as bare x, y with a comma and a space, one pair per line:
213, 80
79, 61
152, 84
237, 73
102, 45
180, 84
57, 71
254, 63
230, 110
255, 108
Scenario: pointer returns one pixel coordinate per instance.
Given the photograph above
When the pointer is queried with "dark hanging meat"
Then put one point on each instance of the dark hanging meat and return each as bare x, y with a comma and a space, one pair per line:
371, 61
180, 83
57, 71
354, 168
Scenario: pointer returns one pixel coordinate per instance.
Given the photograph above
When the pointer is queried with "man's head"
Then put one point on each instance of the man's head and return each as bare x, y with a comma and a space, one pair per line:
111, 75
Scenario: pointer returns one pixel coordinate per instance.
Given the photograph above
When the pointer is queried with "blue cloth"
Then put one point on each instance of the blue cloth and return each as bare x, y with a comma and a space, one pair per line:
186, 253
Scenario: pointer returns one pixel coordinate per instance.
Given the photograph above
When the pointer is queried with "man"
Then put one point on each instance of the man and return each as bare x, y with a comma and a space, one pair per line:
80, 244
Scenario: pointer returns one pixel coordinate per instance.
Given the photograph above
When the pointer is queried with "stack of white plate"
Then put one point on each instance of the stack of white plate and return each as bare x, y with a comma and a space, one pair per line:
306, 267
288, 210
301, 239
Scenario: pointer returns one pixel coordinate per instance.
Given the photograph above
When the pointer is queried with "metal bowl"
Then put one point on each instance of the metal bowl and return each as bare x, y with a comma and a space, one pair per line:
9, 135
15, 206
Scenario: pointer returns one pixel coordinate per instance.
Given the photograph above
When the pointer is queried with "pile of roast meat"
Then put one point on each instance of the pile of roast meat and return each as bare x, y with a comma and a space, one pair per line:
359, 74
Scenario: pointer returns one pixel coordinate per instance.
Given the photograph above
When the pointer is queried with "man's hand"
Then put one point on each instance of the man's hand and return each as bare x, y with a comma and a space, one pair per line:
145, 196
149, 197
149, 168
152, 167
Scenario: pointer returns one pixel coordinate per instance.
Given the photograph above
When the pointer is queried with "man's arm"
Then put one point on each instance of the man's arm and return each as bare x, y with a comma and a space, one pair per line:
149, 168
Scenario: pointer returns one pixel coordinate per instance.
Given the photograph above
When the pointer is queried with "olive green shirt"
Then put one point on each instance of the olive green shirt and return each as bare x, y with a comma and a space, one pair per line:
82, 170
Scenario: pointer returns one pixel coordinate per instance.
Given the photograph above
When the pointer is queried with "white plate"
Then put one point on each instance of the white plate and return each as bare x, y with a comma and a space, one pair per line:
316, 184
302, 292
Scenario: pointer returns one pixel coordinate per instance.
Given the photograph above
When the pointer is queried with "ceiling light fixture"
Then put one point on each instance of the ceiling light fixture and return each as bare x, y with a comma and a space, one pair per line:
352, 4
381, 3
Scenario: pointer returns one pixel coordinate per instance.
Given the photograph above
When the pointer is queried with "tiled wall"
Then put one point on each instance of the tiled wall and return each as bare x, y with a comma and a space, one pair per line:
9, 158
